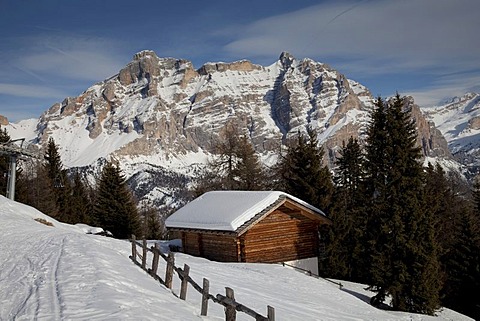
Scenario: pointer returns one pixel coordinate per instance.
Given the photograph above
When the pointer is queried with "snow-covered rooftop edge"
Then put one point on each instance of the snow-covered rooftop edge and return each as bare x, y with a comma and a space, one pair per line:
227, 210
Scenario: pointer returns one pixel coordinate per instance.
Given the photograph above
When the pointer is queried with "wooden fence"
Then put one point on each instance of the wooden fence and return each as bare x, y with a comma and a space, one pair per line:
227, 300
310, 273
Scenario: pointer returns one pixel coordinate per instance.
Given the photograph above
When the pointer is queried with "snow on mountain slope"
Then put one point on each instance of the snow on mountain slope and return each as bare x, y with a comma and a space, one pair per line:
163, 114
163, 108
59, 273
23, 129
459, 121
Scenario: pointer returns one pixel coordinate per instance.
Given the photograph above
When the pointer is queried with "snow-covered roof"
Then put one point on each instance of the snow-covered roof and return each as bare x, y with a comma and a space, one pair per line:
227, 210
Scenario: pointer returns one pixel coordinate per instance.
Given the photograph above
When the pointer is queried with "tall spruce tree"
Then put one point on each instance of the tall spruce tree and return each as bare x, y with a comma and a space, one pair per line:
447, 207
153, 224
461, 259
59, 183
400, 232
4, 163
41, 193
114, 209
476, 195
303, 174
463, 274
80, 204
345, 250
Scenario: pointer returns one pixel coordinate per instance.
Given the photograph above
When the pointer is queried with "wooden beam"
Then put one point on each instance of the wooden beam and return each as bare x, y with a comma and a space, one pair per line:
183, 287
144, 254
169, 270
305, 211
205, 296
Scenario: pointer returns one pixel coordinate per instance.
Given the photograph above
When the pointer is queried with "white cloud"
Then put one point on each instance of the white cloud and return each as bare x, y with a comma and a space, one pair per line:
446, 87
31, 91
70, 57
383, 33
381, 40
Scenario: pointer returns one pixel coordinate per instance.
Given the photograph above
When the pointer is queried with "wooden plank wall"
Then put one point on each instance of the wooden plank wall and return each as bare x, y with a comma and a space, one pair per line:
221, 248
281, 237
190, 243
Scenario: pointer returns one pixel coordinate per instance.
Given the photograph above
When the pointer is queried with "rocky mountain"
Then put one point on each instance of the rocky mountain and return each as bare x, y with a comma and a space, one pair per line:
459, 121
161, 117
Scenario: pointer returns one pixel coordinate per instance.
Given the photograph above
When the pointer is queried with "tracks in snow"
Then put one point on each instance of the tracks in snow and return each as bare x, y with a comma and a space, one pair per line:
57, 301
36, 287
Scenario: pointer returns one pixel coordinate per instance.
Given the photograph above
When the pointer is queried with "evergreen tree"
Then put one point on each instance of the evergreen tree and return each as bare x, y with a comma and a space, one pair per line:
461, 252
346, 257
476, 195
447, 207
4, 163
80, 205
53, 164
463, 274
114, 208
153, 226
302, 173
59, 183
21, 188
400, 232
41, 193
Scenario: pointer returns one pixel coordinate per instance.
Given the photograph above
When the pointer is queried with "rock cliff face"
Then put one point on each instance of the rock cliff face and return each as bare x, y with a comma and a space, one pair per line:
3, 121
163, 113
458, 119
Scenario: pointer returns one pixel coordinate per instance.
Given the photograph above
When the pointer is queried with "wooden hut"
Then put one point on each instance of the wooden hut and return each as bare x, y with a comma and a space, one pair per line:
248, 226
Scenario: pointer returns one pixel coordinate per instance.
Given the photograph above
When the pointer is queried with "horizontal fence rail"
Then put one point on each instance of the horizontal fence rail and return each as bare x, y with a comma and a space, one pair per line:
228, 300
310, 273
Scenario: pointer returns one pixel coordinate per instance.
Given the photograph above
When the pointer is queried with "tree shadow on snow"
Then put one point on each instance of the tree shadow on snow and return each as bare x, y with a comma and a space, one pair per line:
365, 298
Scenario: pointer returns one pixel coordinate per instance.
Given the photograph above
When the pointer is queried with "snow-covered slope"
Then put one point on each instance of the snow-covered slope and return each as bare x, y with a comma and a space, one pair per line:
60, 273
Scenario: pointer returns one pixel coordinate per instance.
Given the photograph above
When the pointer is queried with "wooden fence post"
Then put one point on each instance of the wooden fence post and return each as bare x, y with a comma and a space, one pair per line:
156, 254
183, 288
230, 312
270, 313
134, 249
144, 254
169, 271
205, 293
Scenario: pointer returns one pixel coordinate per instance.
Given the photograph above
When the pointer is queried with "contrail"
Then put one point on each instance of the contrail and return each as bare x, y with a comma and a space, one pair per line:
316, 36
344, 12
31, 73
63, 52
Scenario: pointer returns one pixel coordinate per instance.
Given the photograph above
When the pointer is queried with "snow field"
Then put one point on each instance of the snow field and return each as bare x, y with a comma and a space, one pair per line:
60, 273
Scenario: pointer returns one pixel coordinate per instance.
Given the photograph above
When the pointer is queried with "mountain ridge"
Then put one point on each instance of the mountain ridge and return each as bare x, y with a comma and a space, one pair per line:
164, 115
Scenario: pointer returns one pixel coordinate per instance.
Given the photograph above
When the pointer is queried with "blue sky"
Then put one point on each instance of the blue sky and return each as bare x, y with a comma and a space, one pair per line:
52, 49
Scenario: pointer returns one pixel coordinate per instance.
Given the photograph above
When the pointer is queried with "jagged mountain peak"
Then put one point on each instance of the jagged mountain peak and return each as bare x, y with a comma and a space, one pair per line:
241, 65
145, 54
183, 108
456, 99
286, 59
163, 113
